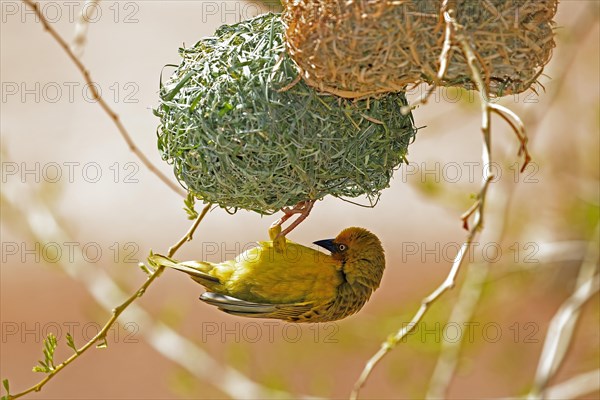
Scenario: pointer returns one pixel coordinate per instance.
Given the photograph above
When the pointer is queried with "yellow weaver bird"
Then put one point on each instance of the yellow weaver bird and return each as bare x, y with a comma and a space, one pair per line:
284, 280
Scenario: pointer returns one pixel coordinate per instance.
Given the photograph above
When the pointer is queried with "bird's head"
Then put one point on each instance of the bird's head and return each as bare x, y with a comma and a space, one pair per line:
361, 255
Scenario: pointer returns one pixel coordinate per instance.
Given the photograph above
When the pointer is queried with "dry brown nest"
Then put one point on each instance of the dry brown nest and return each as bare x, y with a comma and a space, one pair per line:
356, 48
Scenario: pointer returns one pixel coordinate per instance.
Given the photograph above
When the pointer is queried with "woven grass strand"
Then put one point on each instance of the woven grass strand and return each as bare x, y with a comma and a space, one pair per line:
242, 131
358, 48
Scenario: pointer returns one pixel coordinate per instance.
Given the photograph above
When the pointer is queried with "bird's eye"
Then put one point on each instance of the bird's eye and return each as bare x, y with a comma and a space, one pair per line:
342, 247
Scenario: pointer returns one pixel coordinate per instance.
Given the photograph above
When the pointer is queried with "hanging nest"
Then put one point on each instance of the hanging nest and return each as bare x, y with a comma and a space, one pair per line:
242, 130
355, 48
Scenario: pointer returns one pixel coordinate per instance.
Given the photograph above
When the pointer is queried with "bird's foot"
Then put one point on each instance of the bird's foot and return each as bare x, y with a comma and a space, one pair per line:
303, 209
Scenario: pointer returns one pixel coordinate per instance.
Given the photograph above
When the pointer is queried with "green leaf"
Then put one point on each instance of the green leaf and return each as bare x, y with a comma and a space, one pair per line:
173, 92
6, 387
47, 365
190, 202
225, 109
71, 343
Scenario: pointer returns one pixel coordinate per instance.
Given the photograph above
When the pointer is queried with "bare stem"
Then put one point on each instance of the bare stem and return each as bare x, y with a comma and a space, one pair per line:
477, 210
448, 283
96, 96
576, 387
100, 338
443, 60
562, 326
189, 235
463, 310
556, 339
45, 227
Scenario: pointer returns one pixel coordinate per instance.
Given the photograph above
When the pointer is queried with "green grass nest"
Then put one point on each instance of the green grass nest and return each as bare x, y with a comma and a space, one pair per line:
242, 130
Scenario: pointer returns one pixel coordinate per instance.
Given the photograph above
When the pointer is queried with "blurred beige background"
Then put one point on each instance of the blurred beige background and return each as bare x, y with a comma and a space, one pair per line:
49, 124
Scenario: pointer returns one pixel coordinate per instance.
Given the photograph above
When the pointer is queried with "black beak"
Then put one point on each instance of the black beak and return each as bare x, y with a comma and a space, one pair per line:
327, 244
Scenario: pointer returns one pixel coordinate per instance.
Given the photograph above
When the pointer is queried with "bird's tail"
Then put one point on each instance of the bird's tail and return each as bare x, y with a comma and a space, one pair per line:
158, 260
197, 270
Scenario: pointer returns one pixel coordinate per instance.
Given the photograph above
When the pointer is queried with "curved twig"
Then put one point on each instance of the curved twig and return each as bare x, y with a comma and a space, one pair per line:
463, 310
96, 96
477, 210
100, 337
576, 387
562, 325
443, 59
45, 227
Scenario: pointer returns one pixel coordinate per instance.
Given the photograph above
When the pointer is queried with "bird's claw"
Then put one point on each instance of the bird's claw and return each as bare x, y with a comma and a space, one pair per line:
303, 209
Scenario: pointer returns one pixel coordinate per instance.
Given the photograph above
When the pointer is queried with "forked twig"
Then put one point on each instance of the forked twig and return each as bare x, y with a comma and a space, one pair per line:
562, 326
576, 387
451, 27
444, 60
477, 210
557, 338
518, 128
427, 301
100, 337
462, 312
45, 227
469, 213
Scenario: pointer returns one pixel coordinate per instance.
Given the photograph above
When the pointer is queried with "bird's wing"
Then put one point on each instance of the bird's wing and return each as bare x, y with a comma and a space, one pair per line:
194, 273
243, 308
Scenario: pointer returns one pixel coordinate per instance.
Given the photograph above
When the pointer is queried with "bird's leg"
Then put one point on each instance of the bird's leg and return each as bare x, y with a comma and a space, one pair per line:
303, 208
303, 211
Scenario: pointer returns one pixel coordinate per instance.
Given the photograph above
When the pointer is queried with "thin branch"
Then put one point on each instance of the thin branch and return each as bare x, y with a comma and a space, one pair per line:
576, 387
448, 283
462, 312
468, 214
190, 233
477, 211
227, 379
562, 326
518, 128
443, 59
100, 338
556, 337
45, 228
96, 96
452, 30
